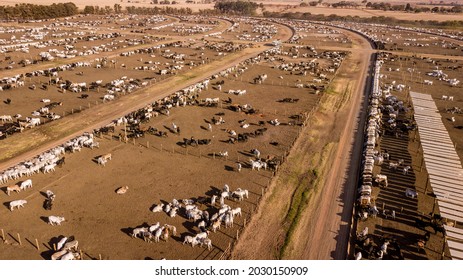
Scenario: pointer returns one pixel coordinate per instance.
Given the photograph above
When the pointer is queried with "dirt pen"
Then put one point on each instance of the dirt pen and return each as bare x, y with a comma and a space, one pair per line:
159, 169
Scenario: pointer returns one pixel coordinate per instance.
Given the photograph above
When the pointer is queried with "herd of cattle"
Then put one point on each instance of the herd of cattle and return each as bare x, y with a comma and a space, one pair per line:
383, 106
123, 85
189, 96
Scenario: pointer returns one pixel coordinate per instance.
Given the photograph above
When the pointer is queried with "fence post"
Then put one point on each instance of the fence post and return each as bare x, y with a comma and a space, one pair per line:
237, 234
3, 235
99, 255
134, 141
37, 243
213, 155
148, 144
19, 239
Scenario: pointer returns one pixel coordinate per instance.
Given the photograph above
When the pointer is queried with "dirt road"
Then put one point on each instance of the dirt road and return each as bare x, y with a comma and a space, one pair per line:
328, 227
322, 229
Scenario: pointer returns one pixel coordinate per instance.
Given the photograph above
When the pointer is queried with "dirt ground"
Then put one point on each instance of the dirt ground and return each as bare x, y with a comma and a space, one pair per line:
404, 228
313, 152
102, 226
24, 100
160, 169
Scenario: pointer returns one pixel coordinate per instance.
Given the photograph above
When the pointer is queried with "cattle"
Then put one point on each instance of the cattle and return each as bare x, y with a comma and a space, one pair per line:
13, 188
55, 220
122, 190
17, 204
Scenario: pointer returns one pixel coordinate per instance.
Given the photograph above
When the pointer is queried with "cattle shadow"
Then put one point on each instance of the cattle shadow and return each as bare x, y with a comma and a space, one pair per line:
129, 230
190, 226
170, 129
14, 238
5, 190
7, 205
246, 153
213, 191
207, 121
177, 238
204, 128
44, 218
164, 202
44, 194
181, 144
229, 168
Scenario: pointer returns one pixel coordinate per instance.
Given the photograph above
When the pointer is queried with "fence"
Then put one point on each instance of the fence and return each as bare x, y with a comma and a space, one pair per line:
16, 240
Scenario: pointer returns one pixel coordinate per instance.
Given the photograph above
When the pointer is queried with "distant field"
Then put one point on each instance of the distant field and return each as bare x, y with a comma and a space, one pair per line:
271, 6
364, 13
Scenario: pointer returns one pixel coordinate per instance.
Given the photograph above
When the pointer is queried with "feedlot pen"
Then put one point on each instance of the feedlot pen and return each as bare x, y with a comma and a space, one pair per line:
158, 169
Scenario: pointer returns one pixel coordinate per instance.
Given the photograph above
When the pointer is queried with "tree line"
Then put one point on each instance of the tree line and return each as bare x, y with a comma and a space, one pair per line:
243, 8
37, 12
376, 19
384, 6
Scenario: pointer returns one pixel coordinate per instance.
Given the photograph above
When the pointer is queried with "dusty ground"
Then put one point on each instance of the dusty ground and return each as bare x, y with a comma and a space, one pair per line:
404, 228
311, 154
72, 182
102, 226
302, 177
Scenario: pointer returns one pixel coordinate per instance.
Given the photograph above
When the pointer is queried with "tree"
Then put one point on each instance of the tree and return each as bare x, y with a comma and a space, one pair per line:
236, 7
89, 10
408, 7
117, 8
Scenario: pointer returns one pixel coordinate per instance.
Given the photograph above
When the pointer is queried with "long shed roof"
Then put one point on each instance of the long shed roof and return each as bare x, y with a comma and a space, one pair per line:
443, 166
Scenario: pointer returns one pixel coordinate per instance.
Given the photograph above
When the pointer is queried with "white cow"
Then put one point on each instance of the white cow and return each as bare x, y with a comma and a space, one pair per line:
158, 208
236, 211
58, 255
55, 220
17, 204
137, 231
61, 243
26, 184
240, 194
190, 240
